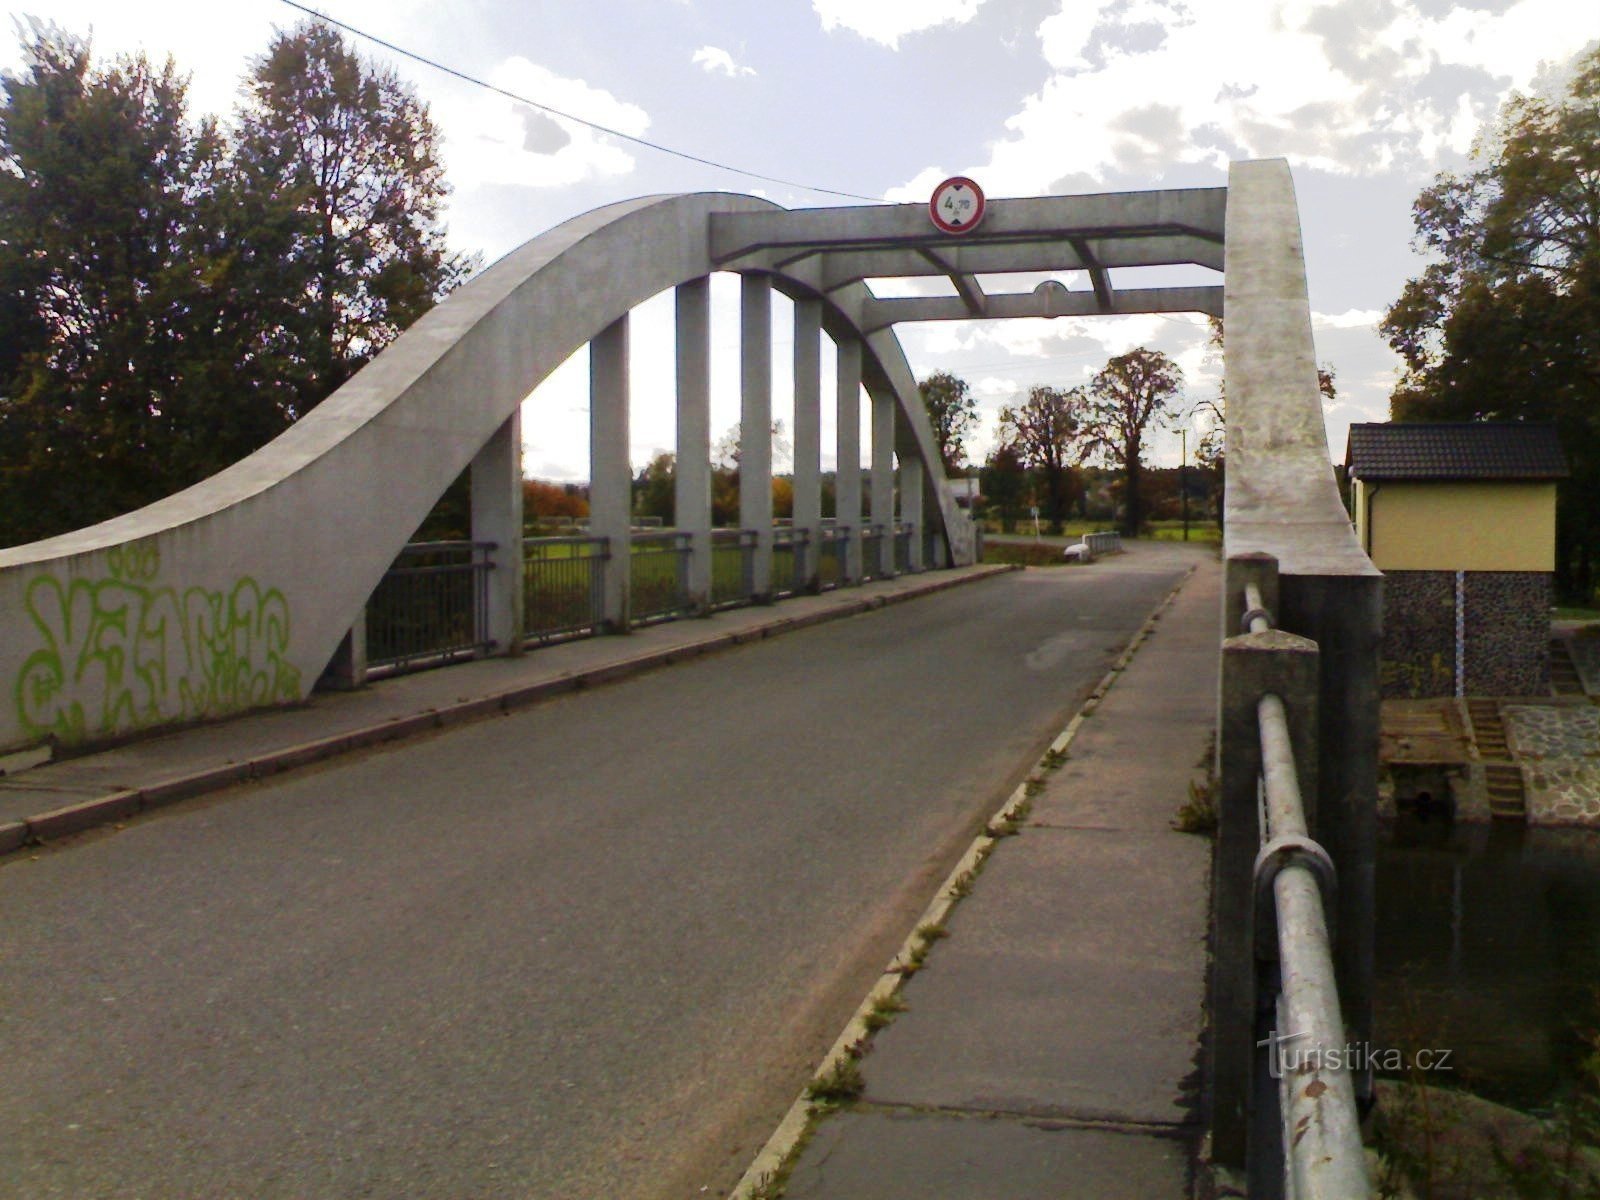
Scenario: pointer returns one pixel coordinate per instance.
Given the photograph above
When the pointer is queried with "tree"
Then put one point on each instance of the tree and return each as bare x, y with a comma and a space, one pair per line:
1045, 432
1131, 394
1505, 323
337, 166
653, 490
952, 412
1004, 480
104, 259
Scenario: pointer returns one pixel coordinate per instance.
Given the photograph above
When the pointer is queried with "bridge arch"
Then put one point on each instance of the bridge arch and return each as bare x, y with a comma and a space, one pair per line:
235, 592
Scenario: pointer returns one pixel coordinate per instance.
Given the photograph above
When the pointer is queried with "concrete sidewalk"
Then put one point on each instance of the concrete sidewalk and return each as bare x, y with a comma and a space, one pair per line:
64, 797
1051, 1044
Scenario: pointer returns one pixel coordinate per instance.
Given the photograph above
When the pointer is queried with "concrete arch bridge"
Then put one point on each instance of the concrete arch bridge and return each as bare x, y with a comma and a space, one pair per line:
244, 590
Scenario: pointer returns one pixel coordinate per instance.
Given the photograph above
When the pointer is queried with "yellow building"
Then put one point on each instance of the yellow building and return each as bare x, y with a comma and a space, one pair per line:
1461, 519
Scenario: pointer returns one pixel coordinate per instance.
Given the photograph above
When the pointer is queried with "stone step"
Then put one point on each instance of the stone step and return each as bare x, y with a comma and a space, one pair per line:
1507, 798
1564, 677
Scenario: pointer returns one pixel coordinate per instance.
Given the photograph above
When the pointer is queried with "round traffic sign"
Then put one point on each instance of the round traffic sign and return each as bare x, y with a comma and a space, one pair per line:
957, 205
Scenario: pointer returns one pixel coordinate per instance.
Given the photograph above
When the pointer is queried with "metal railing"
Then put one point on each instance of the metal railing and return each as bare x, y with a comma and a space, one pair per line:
833, 552
659, 576
733, 567
431, 606
1104, 542
902, 548
563, 590
872, 537
790, 550
1306, 1050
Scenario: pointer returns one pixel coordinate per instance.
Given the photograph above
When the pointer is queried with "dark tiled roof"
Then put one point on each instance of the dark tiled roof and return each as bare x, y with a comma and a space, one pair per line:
1455, 450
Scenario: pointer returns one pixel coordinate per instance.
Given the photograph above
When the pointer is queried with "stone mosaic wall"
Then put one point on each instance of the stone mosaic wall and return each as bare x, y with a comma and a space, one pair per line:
1419, 635
1507, 634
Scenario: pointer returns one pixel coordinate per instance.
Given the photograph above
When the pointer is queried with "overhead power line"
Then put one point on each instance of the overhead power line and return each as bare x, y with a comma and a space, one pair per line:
566, 116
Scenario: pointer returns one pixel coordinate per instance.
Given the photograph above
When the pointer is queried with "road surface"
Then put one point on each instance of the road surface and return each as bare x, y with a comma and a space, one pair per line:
590, 949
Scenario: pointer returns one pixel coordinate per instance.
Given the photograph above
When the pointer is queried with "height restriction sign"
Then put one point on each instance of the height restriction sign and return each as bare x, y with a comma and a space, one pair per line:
957, 205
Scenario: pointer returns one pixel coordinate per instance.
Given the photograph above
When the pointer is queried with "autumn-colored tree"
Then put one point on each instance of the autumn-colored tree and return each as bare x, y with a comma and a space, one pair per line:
541, 500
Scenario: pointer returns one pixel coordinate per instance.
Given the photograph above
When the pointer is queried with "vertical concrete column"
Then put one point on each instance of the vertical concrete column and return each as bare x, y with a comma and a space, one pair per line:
847, 474
497, 518
755, 422
808, 438
692, 485
911, 477
883, 478
610, 472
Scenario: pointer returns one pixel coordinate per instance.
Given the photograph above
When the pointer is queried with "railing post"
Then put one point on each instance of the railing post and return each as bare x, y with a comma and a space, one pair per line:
497, 519
1253, 664
911, 477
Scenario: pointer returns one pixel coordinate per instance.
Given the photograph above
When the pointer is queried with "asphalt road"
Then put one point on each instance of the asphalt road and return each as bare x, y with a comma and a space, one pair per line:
590, 949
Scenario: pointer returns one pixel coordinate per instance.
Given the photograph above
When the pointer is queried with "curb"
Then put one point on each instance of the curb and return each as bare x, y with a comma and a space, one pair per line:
128, 802
795, 1128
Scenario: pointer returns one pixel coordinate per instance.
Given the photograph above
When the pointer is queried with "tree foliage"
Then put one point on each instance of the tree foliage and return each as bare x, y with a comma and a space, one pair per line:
1045, 432
173, 294
1004, 484
1504, 324
952, 411
1132, 394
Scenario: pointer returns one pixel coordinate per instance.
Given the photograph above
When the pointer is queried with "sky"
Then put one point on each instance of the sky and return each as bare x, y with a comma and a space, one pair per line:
1367, 99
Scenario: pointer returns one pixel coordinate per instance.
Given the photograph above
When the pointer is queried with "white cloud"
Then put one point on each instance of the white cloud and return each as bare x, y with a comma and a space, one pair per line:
492, 139
1348, 87
714, 61
1354, 318
887, 21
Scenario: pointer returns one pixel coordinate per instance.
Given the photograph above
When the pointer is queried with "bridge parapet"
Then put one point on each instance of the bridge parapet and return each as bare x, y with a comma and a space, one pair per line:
1282, 506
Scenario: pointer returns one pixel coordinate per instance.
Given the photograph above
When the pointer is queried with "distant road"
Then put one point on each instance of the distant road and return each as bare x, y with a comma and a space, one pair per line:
591, 949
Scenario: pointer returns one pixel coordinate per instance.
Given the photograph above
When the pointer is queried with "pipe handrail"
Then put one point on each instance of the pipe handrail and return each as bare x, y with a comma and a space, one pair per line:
1323, 1158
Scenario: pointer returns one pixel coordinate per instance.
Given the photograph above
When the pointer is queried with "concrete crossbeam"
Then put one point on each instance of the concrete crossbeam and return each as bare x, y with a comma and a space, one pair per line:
1045, 302
1197, 212
849, 266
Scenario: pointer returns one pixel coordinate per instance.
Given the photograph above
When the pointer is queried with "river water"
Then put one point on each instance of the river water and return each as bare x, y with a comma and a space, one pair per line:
1488, 944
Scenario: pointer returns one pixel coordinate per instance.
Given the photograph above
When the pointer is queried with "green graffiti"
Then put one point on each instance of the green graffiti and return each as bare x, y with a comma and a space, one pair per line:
124, 653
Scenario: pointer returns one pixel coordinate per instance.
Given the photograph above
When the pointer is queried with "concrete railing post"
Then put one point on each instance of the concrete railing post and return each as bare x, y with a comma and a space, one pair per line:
692, 484
807, 442
610, 472
755, 423
1253, 665
847, 474
497, 519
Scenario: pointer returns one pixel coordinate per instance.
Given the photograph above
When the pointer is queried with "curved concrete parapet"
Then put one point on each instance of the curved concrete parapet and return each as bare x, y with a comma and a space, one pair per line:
234, 593
1282, 498
1287, 533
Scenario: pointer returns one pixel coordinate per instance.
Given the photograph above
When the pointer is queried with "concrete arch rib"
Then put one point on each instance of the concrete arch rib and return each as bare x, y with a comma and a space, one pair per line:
233, 593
